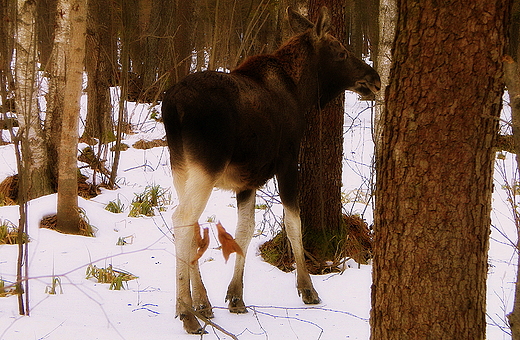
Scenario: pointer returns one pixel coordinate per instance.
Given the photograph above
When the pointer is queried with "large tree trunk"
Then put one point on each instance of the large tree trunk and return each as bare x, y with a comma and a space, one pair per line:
321, 155
34, 150
434, 172
74, 18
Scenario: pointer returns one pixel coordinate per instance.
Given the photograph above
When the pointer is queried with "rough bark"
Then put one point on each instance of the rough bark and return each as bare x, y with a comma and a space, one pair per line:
321, 155
74, 16
434, 172
33, 146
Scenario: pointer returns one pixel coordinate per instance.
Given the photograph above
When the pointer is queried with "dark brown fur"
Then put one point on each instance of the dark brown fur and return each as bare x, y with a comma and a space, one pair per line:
237, 130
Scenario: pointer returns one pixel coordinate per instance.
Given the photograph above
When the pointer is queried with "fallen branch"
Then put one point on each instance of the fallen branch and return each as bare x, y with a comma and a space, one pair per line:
207, 321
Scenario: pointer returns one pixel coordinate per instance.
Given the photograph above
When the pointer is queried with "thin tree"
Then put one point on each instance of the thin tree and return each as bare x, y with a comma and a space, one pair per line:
435, 170
73, 18
387, 21
512, 79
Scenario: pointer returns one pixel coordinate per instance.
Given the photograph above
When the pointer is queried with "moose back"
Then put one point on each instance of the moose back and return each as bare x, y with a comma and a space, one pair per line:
236, 131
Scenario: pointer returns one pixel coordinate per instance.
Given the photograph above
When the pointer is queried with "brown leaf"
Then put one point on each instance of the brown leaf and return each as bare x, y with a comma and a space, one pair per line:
202, 242
229, 244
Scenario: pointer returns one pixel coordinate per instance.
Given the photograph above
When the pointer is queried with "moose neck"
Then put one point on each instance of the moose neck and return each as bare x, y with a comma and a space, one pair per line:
298, 58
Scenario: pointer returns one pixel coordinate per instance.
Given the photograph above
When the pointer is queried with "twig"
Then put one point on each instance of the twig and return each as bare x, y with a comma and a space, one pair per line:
289, 318
207, 321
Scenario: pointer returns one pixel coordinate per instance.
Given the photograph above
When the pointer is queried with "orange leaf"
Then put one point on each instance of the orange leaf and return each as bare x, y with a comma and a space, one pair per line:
229, 244
202, 242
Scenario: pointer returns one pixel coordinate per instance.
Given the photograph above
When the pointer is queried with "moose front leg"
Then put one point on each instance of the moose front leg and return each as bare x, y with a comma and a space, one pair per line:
288, 188
303, 280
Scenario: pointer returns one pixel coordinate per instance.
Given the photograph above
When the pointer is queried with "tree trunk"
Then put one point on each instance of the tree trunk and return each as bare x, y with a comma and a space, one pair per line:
56, 75
99, 64
434, 171
321, 155
183, 40
387, 22
45, 24
34, 149
74, 18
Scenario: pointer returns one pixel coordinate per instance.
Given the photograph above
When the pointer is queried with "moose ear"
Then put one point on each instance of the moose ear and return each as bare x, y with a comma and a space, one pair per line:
323, 23
298, 23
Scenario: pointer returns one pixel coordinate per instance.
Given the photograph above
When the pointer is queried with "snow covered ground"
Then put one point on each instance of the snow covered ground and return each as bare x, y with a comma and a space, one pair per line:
146, 308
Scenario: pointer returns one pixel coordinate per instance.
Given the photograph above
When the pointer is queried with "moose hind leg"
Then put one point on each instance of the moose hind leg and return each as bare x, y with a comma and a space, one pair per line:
199, 294
244, 233
196, 190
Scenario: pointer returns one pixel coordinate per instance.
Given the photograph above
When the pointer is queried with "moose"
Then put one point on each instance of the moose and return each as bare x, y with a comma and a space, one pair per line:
237, 130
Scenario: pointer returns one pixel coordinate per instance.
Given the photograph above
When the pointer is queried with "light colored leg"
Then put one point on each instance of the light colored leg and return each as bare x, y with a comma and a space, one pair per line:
244, 233
288, 187
199, 294
303, 279
194, 188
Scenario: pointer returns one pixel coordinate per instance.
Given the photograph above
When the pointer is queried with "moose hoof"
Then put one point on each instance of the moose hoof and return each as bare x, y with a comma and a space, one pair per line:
205, 310
310, 296
191, 324
236, 305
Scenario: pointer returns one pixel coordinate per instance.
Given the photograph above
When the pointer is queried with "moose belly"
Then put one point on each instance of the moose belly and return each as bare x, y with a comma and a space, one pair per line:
238, 178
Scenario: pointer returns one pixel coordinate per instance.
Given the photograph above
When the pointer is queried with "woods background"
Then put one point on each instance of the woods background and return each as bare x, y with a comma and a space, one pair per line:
50, 47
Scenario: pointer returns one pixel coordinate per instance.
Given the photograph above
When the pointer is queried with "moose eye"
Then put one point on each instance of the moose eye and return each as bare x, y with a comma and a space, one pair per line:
342, 55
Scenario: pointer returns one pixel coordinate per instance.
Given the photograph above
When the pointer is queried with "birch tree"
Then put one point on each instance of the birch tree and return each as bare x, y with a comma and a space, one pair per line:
35, 166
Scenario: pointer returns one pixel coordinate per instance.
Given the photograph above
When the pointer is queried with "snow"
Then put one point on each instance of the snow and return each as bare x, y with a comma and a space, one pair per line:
146, 308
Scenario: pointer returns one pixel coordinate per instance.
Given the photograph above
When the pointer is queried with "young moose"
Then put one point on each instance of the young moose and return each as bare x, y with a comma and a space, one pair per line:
236, 131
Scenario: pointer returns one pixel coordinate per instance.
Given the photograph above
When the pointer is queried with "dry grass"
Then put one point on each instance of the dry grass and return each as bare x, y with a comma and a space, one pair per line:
9, 191
85, 228
109, 275
143, 144
9, 233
